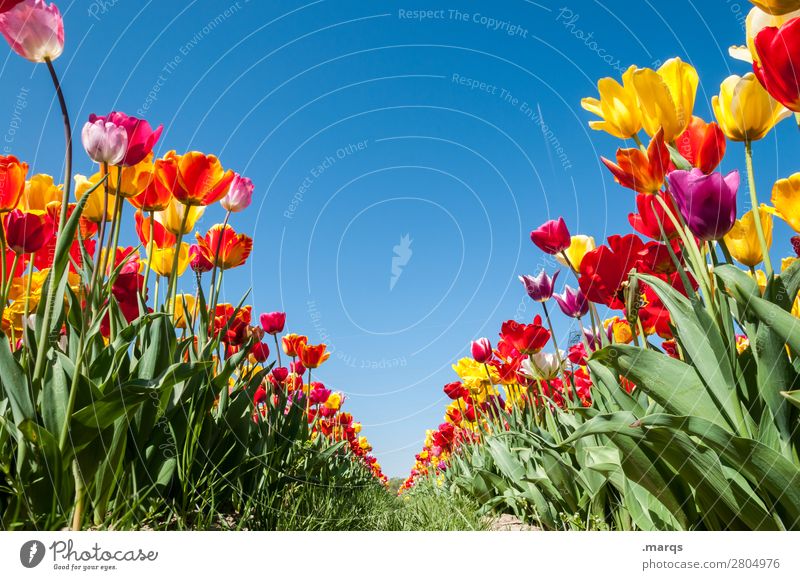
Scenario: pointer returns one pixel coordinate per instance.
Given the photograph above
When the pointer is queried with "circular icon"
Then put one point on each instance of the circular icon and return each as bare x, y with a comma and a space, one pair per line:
31, 553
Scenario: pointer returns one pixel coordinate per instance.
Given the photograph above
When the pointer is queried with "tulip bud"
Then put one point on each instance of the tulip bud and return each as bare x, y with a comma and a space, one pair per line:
552, 237
34, 30
104, 142
280, 373
239, 195
482, 350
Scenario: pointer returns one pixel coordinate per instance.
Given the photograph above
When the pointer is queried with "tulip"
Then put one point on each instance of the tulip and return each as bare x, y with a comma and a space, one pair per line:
239, 195
455, 390
292, 344
786, 199
6, 5
744, 110
273, 322
160, 183
93, 208
779, 63
652, 218
34, 30
742, 240
297, 368
155, 233
525, 338
552, 237
27, 232
224, 248
543, 365
40, 191
638, 171
572, 302
312, 356
198, 261
618, 107
12, 182
260, 352
539, 288
173, 216
482, 350
162, 260
334, 402
579, 246
756, 21
777, 6
141, 136
706, 202
201, 179
104, 141
318, 394
666, 97
702, 144
185, 304
619, 329
134, 179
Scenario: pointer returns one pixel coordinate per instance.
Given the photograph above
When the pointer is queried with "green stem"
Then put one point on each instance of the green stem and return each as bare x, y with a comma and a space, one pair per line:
218, 249
748, 153
150, 245
173, 279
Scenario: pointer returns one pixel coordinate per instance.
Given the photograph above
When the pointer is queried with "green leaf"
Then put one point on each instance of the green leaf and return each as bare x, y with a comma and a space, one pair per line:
14, 383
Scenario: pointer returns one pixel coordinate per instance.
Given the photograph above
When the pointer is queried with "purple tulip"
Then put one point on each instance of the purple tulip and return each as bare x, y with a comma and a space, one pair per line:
104, 141
539, 288
706, 202
239, 195
572, 302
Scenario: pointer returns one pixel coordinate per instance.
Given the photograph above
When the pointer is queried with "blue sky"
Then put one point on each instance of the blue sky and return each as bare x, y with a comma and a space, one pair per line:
365, 122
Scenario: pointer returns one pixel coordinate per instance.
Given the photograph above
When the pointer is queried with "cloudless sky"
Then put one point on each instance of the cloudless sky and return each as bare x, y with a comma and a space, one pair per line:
360, 124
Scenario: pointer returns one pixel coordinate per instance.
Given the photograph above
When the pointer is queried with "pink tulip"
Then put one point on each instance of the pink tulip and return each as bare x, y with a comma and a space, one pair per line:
141, 136
482, 350
197, 261
273, 322
297, 368
552, 237
34, 30
239, 195
104, 142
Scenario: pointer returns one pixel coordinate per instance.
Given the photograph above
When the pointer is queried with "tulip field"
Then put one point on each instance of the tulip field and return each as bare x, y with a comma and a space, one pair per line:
672, 404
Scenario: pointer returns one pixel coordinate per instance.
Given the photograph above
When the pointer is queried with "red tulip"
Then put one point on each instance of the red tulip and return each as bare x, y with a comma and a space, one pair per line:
27, 232
312, 356
525, 338
702, 144
6, 5
552, 237
260, 352
273, 322
455, 390
778, 64
198, 261
604, 269
482, 350
651, 212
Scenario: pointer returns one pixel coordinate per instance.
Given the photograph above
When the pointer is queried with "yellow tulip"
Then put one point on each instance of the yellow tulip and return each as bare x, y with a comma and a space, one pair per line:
666, 97
761, 279
172, 217
786, 262
93, 211
40, 190
744, 110
184, 303
618, 107
334, 401
579, 246
786, 199
777, 6
756, 21
134, 178
162, 260
742, 240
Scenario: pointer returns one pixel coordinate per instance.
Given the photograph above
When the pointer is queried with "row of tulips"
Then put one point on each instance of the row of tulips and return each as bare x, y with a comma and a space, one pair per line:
125, 399
677, 405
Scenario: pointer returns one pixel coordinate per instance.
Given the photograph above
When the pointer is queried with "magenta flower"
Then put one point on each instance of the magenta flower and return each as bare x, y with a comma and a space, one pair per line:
104, 141
552, 237
572, 302
706, 202
141, 137
273, 322
33, 29
482, 350
239, 195
539, 288
197, 260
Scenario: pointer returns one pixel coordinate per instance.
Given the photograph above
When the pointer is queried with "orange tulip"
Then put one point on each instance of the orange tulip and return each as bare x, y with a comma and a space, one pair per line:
223, 247
643, 173
160, 236
312, 355
158, 192
12, 181
292, 343
201, 178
